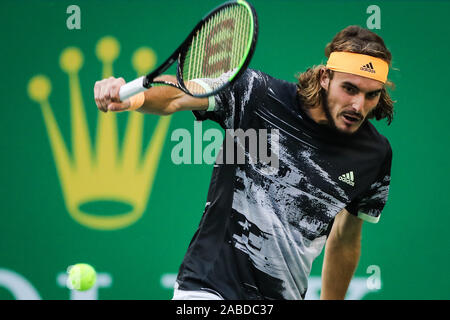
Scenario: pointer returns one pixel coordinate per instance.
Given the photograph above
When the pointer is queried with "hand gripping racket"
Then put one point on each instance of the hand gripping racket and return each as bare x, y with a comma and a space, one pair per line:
222, 42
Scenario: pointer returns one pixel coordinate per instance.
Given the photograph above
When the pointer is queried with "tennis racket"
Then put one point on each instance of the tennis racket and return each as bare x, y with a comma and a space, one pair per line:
223, 42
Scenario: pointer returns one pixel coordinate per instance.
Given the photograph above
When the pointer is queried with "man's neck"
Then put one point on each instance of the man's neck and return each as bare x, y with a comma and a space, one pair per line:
317, 114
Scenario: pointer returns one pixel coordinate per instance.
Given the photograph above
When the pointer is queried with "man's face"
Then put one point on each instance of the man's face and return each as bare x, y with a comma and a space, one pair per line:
349, 99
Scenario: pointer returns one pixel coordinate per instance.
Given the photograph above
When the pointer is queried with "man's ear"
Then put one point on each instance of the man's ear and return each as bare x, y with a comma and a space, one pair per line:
324, 78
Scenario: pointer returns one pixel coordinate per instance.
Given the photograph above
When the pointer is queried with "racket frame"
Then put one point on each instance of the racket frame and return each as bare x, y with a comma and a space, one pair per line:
148, 80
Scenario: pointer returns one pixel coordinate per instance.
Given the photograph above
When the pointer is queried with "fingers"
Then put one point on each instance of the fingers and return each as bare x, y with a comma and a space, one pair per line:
104, 97
114, 89
106, 92
118, 106
97, 94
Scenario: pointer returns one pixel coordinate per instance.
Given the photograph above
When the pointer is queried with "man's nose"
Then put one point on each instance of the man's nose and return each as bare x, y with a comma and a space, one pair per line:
358, 102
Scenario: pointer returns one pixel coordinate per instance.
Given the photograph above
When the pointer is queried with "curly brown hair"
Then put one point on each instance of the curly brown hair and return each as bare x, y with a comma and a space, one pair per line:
351, 39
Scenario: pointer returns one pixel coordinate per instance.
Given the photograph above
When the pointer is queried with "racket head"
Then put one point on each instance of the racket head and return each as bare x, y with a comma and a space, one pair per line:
223, 42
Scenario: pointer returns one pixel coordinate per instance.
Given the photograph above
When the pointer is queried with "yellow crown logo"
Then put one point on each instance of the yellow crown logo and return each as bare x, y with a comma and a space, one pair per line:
107, 174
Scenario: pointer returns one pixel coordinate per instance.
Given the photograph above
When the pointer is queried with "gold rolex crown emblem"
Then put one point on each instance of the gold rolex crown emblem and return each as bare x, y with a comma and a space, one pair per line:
105, 172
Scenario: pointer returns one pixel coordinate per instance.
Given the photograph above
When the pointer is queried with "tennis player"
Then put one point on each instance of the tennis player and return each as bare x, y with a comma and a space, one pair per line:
260, 232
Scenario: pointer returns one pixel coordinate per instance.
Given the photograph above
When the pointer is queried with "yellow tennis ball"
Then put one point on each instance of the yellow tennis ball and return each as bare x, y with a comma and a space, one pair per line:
81, 277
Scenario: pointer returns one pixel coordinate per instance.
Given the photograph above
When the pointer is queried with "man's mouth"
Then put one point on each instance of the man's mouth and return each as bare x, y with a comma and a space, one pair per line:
351, 119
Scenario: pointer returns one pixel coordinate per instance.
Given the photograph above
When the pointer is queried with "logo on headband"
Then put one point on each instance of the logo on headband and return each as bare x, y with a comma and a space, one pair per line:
368, 67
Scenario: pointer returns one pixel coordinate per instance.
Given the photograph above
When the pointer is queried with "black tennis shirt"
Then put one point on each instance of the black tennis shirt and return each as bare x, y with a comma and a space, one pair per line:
262, 228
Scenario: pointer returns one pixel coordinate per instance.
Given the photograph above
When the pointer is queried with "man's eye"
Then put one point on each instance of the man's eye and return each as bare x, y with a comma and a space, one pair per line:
373, 95
350, 90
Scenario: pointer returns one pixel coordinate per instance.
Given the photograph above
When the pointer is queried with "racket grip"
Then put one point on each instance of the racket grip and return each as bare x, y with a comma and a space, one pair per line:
131, 88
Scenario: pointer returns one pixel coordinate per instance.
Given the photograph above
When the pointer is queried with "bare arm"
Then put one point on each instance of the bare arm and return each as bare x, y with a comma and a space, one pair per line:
163, 100
342, 252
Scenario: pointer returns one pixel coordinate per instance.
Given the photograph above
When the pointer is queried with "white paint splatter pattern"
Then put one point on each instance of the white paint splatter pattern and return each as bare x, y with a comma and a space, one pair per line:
293, 237
306, 155
283, 216
377, 195
283, 253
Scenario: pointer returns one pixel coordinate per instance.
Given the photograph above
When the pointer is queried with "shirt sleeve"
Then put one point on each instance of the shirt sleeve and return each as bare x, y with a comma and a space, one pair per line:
230, 106
370, 205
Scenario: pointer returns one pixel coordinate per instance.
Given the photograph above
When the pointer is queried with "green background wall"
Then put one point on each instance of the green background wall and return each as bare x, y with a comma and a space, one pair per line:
39, 238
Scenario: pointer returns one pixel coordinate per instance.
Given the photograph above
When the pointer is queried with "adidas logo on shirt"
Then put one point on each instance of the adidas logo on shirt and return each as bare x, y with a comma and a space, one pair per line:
348, 178
368, 67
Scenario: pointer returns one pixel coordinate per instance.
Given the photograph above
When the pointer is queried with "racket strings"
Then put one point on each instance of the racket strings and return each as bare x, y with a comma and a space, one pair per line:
219, 46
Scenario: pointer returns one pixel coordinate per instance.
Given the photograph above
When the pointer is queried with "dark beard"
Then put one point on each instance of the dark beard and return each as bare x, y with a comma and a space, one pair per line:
326, 109
331, 123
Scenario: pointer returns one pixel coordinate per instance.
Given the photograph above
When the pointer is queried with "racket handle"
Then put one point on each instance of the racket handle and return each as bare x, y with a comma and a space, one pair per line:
131, 88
